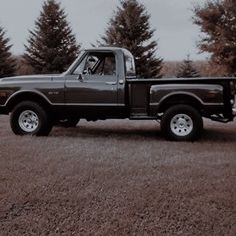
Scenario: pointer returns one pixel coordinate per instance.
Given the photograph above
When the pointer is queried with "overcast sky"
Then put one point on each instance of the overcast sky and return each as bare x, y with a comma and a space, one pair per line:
176, 34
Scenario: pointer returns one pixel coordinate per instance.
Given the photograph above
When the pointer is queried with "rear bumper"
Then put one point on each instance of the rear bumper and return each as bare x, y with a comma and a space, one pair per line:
234, 111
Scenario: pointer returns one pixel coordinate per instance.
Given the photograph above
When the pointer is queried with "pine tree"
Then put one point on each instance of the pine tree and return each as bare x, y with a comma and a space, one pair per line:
217, 21
7, 63
51, 46
187, 69
130, 28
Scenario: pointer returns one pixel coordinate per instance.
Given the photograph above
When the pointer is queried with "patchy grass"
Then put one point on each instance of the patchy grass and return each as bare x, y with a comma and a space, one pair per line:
117, 178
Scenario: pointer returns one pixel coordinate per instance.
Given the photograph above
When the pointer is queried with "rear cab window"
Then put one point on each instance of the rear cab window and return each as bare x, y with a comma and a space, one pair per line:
130, 71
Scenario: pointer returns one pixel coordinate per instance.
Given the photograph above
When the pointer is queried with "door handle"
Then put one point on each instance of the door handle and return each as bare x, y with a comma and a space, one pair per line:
121, 81
111, 83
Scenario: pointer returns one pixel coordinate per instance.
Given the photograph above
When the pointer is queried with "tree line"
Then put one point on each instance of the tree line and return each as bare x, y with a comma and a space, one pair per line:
52, 46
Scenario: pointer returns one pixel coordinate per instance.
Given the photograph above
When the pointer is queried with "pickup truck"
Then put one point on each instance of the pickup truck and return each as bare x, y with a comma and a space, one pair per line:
102, 84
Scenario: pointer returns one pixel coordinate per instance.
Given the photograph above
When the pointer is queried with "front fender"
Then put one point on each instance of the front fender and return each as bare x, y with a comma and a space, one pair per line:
23, 93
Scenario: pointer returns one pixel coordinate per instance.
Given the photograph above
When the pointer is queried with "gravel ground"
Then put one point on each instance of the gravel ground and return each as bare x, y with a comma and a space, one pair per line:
117, 178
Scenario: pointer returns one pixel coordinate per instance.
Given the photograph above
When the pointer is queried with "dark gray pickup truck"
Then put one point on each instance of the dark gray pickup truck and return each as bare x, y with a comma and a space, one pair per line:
102, 84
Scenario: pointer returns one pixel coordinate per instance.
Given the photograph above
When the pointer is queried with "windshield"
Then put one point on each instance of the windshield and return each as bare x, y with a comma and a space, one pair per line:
97, 63
75, 62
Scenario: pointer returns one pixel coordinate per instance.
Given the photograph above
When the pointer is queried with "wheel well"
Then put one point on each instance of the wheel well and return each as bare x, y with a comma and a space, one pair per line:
27, 96
180, 99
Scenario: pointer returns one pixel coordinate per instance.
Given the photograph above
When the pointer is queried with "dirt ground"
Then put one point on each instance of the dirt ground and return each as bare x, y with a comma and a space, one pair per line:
117, 178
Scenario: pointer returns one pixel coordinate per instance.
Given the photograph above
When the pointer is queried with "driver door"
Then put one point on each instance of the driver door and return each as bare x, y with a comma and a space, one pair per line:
92, 86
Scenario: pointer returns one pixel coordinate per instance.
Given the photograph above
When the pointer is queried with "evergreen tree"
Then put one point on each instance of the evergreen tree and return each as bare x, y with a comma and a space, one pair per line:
7, 63
217, 20
51, 46
130, 28
187, 69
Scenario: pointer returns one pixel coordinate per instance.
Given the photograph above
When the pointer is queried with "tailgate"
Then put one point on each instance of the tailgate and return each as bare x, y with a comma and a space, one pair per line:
234, 92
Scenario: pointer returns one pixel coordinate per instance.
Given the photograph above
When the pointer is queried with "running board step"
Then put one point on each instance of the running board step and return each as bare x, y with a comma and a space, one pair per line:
220, 118
143, 117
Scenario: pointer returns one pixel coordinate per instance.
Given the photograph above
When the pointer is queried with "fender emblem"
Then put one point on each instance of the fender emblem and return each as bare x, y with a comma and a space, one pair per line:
53, 93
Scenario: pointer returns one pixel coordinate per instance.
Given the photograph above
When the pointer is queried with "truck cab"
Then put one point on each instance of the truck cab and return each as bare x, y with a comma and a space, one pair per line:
95, 83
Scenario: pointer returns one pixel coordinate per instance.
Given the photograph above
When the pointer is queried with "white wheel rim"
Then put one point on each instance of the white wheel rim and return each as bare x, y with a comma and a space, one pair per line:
181, 125
28, 121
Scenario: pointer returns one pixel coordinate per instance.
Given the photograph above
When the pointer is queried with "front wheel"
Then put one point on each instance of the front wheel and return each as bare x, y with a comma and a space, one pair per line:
182, 123
29, 118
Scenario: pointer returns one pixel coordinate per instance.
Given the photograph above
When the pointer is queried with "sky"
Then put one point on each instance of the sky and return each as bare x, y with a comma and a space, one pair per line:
176, 34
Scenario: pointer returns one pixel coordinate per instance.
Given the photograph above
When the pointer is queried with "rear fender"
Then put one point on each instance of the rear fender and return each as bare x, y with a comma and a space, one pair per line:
198, 95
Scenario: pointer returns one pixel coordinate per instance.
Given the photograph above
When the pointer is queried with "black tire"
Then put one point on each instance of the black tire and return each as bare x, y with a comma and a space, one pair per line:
182, 123
44, 124
68, 123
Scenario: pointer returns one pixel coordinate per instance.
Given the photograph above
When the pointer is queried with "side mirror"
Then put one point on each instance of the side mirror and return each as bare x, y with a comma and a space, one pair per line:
80, 77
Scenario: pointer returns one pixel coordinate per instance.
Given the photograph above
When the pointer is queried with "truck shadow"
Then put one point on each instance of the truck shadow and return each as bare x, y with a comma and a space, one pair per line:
216, 135
108, 132
148, 132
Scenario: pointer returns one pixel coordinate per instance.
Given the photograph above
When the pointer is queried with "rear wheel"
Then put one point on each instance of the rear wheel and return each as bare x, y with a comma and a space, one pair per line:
29, 118
182, 123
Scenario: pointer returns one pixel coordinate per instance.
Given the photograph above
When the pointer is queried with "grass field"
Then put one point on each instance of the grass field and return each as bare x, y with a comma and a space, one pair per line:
118, 178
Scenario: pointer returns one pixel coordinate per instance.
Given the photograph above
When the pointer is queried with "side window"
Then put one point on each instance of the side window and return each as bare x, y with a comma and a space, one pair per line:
91, 63
105, 64
97, 64
109, 65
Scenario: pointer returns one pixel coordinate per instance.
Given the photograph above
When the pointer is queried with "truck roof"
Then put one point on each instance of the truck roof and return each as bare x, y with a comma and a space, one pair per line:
106, 49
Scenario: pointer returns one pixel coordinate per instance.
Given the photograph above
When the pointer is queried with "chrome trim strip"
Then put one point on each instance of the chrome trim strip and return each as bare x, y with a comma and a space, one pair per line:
89, 104
60, 104
187, 86
110, 83
204, 103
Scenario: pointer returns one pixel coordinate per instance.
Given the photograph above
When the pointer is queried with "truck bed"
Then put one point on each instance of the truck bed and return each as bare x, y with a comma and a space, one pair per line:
139, 91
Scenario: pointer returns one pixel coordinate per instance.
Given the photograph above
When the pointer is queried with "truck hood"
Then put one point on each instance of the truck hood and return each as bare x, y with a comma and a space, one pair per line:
28, 78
